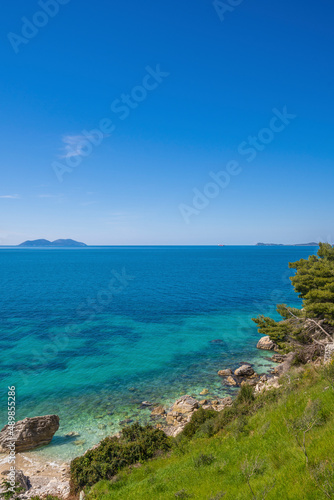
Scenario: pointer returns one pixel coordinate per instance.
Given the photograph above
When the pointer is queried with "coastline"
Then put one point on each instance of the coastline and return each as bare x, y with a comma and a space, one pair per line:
75, 437
50, 474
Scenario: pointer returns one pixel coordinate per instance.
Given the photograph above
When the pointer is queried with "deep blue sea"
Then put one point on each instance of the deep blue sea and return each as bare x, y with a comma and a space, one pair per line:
90, 333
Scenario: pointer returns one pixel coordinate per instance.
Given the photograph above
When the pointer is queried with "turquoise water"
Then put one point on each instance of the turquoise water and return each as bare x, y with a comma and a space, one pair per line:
91, 333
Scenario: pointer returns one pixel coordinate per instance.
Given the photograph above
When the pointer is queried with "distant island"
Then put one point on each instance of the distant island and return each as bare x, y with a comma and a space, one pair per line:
312, 244
56, 243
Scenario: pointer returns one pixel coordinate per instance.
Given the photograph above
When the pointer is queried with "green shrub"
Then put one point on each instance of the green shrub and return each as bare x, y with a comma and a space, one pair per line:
323, 475
8, 493
225, 417
136, 444
203, 460
182, 494
329, 373
219, 496
207, 429
239, 426
245, 395
197, 420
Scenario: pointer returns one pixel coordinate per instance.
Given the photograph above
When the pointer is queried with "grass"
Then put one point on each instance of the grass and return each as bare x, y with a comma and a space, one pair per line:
259, 455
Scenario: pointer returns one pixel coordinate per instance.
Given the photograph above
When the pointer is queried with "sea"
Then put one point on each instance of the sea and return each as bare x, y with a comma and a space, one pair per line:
90, 333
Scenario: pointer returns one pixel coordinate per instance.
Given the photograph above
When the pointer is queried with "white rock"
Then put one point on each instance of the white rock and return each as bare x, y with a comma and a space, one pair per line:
266, 344
329, 353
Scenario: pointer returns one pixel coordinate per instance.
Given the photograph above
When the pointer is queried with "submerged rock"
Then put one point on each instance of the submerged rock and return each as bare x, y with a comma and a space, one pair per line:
29, 433
79, 442
146, 404
204, 392
225, 373
158, 411
266, 344
72, 434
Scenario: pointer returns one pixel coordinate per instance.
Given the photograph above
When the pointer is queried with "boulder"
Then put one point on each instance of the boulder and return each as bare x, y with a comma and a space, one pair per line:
225, 373
266, 344
180, 414
271, 383
174, 430
251, 382
207, 407
185, 404
329, 353
286, 365
228, 401
244, 371
204, 392
221, 403
230, 381
158, 411
20, 479
29, 433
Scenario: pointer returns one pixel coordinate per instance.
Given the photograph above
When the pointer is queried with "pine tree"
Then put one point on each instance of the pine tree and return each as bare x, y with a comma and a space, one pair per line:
313, 324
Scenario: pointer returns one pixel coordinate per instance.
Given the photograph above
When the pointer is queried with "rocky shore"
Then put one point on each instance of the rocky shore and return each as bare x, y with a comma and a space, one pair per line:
173, 420
37, 478
45, 478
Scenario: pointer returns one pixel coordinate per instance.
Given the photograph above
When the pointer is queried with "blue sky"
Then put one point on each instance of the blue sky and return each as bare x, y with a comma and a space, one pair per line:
201, 85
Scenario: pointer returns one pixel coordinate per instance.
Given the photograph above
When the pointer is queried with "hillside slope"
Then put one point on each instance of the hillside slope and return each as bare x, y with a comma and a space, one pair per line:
258, 455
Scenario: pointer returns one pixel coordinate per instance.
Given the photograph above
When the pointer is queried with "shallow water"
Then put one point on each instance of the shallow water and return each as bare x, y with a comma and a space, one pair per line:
90, 333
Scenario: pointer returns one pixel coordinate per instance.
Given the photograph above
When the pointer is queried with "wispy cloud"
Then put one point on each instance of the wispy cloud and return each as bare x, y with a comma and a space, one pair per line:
73, 145
10, 196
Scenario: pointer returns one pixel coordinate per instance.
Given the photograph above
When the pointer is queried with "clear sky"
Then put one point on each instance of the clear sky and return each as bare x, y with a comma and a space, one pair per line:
233, 100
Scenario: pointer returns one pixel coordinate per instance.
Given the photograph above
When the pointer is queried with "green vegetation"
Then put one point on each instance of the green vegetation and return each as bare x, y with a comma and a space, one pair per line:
314, 281
261, 450
307, 330
8, 492
276, 444
48, 497
136, 444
